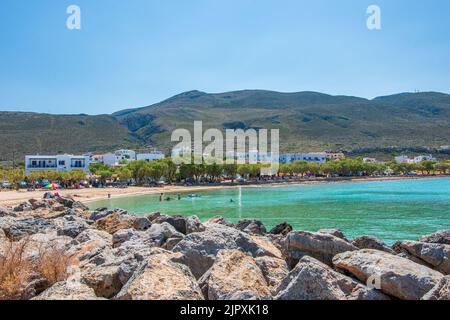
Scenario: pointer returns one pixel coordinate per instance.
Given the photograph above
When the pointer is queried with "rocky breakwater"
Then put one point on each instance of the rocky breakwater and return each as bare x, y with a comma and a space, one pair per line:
111, 254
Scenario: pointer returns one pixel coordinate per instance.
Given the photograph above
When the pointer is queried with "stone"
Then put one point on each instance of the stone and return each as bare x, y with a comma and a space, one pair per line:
233, 273
40, 204
314, 280
274, 271
104, 212
154, 215
397, 276
440, 292
219, 220
122, 236
160, 233
321, 246
5, 212
141, 223
24, 206
72, 227
252, 227
160, 278
68, 290
113, 223
18, 228
200, 249
334, 232
442, 237
434, 255
368, 242
283, 229
184, 225
104, 280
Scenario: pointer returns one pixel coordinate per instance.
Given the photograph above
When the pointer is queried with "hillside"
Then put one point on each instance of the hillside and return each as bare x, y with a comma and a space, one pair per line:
29, 133
308, 121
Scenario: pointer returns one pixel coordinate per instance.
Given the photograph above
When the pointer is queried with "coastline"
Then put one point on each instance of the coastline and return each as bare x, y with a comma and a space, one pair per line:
12, 198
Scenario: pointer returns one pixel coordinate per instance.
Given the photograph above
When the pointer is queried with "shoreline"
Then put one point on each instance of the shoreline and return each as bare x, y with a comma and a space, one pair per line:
12, 198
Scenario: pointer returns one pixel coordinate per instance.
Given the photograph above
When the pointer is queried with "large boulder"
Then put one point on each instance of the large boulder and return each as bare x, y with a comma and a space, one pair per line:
368, 242
200, 249
274, 271
18, 228
440, 292
282, 229
5, 212
23, 207
397, 276
68, 290
251, 226
218, 220
72, 226
314, 280
113, 223
434, 255
160, 278
184, 225
101, 213
317, 245
334, 232
442, 237
233, 273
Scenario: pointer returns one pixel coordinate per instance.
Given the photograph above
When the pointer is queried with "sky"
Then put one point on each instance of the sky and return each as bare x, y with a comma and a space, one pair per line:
134, 53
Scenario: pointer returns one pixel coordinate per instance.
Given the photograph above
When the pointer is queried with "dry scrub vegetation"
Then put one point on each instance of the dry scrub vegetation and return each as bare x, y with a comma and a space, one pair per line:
23, 275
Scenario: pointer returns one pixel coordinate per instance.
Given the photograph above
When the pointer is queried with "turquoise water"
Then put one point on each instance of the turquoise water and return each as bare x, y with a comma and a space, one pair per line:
389, 210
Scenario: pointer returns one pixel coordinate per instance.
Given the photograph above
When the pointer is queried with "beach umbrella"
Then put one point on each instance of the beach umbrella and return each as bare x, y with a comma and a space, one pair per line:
53, 186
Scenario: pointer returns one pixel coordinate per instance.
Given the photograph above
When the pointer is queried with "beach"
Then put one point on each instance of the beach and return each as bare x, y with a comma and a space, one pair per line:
12, 198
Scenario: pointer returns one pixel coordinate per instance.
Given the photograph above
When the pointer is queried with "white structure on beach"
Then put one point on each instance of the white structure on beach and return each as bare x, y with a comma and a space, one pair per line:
113, 159
418, 159
318, 157
150, 156
64, 162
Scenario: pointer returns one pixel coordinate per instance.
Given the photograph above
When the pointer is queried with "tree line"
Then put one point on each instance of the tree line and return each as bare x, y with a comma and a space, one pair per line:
143, 172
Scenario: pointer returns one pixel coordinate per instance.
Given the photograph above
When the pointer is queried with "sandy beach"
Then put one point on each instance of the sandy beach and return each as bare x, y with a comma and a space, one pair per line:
12, 198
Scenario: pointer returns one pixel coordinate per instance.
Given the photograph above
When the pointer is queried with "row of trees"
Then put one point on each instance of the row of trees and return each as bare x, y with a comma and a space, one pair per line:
143, 172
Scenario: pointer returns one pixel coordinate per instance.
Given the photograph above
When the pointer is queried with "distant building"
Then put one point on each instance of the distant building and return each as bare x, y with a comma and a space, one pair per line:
335, 155
56, 162
150, 156
370, 160
418, 159
319, 157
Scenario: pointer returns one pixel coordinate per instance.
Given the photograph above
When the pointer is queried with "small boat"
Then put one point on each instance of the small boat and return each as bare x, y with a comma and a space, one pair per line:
192, 196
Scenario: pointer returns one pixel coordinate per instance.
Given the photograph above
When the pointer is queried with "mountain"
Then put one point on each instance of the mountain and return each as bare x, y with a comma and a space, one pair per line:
30, 133
308, 121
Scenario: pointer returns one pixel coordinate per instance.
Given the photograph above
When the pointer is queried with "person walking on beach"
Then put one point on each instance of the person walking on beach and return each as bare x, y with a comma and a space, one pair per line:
161, 197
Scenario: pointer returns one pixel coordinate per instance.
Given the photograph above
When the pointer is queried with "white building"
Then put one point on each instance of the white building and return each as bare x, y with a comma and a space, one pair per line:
150, 156
370, 160
418, 159
125, 155
57, 162
318, 157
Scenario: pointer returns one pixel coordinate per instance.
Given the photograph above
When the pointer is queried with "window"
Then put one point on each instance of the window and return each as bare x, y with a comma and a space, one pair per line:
61, 163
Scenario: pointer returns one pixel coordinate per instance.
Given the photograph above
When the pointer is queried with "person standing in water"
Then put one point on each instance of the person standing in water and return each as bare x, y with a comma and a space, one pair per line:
161, 197
179, 196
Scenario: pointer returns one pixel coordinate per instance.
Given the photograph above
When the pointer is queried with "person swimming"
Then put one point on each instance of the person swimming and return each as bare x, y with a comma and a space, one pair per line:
231, 201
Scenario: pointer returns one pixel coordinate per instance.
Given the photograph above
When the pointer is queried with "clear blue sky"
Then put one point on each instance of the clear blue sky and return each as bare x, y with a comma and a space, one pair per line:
137, 52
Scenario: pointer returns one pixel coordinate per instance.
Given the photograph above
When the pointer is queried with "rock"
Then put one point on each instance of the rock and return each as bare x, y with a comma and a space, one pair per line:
274, 271
160, 233
398, 277
113, 223
68, 290
267, 247
440, 292
104, 279
104, 212
141, 223
18, 228
283, 229
160, 278
442, 237
24, 206
233, 273
334, 232
171, 243
69, 202
184, 225
72, 227
434, 255
200, 249
317, 245
122, 236
93, 234
368, 242
252, 227
219, 220
41, 204
153, 216
314, 280
5, 212
89, 244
